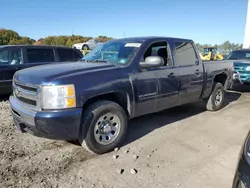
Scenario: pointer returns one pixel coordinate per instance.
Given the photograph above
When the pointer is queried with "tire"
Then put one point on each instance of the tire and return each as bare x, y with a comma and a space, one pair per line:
216, 100
85, 47
94, 138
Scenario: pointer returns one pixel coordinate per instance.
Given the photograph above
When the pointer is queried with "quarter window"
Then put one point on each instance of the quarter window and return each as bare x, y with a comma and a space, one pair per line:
68, 55
184, 54
40, 55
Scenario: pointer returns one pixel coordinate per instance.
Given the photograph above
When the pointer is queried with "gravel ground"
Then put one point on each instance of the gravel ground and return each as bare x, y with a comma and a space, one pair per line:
180, 147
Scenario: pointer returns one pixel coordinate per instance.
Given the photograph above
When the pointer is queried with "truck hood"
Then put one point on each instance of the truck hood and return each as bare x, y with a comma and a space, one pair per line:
46, 74
241, 62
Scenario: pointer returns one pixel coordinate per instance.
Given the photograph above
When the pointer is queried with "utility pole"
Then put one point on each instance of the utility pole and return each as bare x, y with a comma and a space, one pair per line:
246, 43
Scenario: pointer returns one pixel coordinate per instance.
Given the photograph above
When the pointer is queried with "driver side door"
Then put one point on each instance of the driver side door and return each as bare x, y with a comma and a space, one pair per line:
156, 88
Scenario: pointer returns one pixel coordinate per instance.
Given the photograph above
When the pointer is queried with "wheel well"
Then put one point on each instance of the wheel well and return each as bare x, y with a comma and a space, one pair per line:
85, 45
117, 97
221, 78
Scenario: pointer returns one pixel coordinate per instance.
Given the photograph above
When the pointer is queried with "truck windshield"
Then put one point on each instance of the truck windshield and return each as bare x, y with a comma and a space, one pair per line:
241, 54
115, 52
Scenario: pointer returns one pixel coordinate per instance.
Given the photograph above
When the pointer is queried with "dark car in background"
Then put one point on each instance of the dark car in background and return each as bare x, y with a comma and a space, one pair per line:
17, 57
242, 174
241, 60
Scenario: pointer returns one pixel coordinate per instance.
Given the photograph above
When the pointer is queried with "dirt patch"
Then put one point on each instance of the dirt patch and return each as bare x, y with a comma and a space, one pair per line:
181, 147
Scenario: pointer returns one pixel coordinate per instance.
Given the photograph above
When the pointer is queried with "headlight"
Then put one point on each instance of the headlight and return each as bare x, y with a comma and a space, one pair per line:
58, 97
248, 68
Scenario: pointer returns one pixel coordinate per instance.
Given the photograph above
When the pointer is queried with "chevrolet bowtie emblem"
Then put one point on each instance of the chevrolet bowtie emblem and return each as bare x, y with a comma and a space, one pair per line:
17, 92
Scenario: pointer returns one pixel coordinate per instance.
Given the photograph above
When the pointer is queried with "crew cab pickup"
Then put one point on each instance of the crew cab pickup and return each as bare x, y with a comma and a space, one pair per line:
92, 100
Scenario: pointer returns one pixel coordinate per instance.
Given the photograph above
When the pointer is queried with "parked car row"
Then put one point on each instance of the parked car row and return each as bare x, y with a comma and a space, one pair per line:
17, 57
93, 99
139, 76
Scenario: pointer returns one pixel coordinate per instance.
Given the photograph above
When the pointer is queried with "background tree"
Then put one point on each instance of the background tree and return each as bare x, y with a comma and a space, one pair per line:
12, 37
223, 48
102, 38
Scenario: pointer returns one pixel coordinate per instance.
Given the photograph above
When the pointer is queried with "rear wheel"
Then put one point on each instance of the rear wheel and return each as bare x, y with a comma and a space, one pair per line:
216, 99
104, 127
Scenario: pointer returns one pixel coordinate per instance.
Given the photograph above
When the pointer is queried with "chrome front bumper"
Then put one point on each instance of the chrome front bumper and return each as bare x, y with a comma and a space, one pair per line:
59, 124
21, 113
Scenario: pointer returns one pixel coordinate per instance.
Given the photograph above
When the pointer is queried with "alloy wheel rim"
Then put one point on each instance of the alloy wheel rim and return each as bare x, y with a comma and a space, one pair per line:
218, 97
107, 128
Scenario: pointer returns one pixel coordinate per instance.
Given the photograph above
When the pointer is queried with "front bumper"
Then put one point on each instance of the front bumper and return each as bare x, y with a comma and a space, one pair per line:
58, 124
242, 175
241, 77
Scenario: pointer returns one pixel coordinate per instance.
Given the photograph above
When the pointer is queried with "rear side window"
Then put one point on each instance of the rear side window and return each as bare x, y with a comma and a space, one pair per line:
77, 56
40, 55
184, 54
68, 55
11, 57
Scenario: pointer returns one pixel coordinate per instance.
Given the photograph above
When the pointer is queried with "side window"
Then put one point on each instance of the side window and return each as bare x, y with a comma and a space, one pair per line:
11, 57
65, 54
159, 49
184, 54
40, 55
77, 56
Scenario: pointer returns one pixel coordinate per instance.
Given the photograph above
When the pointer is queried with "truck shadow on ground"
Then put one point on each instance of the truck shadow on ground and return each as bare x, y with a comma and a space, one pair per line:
241, 88
141, 126
4, 98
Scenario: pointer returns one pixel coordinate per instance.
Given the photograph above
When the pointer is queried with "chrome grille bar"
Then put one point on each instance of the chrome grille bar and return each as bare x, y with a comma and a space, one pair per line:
27, 94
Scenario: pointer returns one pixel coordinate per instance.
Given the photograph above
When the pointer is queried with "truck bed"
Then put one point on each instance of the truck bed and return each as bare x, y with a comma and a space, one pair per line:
213, 68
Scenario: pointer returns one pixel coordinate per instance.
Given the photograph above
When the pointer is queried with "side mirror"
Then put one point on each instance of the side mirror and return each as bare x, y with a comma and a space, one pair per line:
152, 61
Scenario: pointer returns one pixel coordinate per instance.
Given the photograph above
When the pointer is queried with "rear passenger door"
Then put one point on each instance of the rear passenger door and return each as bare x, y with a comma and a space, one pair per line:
190, 71
39, 56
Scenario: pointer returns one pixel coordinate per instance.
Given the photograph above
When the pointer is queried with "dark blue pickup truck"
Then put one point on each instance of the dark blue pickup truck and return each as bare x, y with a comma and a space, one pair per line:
92, 100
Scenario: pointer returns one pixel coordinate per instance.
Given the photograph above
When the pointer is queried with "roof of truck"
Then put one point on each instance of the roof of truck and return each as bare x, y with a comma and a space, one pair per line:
145, 38
243, 49
34, 46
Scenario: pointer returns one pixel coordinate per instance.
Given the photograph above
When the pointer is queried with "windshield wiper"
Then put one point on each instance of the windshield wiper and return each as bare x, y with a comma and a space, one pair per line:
101, 61
96, 61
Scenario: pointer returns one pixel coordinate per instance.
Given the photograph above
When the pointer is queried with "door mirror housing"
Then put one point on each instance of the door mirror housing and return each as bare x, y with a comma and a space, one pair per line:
152, 61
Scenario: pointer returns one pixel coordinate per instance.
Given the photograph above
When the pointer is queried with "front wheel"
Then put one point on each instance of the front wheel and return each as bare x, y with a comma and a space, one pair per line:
105, 123
216, 99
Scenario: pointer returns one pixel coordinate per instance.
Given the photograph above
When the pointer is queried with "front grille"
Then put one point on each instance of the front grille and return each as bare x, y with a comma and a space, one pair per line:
238, 68
28, 101
26, 87
27, 94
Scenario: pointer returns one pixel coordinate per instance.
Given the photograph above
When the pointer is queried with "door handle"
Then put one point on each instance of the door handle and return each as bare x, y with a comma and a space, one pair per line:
197, 72
171, 75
